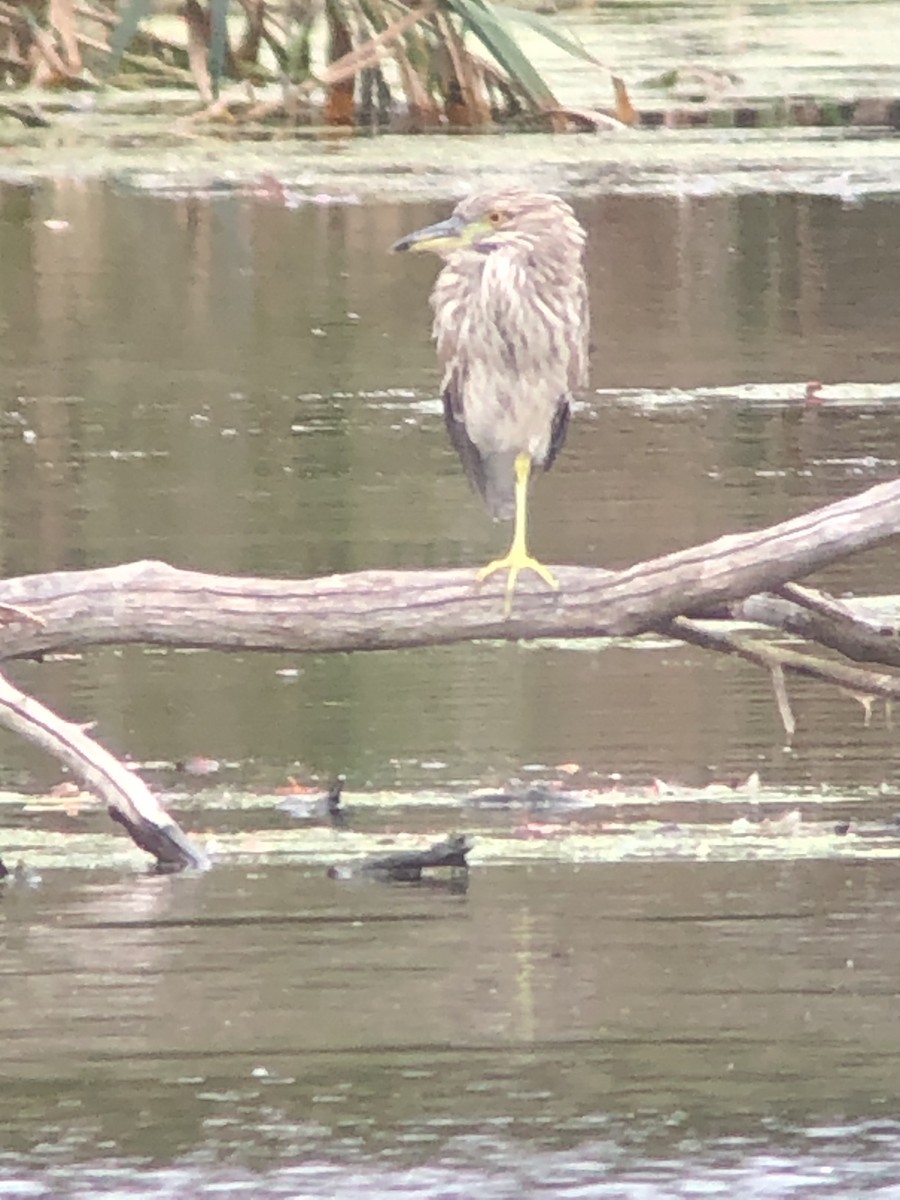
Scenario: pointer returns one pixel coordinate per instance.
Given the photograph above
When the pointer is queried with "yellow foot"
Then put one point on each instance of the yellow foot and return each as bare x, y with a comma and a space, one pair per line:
515, 562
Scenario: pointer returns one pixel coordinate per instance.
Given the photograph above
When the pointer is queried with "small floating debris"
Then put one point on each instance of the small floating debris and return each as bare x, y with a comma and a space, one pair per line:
199, 765
20, 874
406, 866
813, 394
871, 829
750, 785
318, 808
785, 824
535, 797
806, 394
66, 789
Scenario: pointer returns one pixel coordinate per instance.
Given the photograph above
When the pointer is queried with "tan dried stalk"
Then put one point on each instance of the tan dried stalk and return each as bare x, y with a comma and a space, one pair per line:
469, 75
62, 19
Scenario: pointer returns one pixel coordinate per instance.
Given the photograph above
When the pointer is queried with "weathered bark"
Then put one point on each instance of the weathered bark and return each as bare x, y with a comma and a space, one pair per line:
734, 576
840, 629
151, 602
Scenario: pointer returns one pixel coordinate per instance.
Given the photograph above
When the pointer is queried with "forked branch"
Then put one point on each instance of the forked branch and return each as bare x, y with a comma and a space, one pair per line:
151, 602
735, 576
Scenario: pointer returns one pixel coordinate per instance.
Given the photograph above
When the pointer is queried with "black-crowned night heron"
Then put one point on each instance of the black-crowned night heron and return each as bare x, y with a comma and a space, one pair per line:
511, 327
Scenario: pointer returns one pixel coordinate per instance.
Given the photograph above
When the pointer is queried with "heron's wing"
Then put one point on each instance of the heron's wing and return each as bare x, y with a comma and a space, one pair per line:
558, 431
491, 475
485, 474
454, 419
578, 337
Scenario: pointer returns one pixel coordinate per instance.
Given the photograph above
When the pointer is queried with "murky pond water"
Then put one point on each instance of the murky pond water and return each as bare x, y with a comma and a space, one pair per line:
238, 386
630, 1031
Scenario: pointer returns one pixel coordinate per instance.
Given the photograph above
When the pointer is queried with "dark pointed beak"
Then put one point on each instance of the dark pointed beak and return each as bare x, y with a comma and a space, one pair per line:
441, 237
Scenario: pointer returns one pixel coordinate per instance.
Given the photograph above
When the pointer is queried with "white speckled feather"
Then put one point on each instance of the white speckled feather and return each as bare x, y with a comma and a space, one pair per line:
511, 326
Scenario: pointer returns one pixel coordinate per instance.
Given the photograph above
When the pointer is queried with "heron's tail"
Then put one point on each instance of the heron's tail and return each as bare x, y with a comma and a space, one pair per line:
493, 474
498, 485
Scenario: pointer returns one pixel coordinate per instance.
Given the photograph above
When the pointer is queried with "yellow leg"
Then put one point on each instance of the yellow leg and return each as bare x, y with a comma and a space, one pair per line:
517, 558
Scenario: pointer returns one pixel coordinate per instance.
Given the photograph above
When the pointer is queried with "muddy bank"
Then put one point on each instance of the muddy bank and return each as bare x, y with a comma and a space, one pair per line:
158, 154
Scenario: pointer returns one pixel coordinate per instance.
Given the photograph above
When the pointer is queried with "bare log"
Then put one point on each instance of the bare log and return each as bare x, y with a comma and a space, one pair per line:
129, 801
782, 658
153, 603
855, 636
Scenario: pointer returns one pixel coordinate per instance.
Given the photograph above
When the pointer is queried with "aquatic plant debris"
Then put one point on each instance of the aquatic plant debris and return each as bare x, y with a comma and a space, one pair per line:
661, 821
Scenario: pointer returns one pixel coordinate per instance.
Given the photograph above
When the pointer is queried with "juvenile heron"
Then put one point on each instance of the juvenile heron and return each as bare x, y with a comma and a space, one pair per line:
511, 327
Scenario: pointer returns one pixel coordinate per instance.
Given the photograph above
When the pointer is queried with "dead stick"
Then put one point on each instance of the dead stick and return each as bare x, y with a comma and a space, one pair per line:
817, 602
129, 800
854, 679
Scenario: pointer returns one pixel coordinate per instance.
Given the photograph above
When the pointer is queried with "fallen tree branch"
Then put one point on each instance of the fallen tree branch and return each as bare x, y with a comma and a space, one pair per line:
817, 602
151, 602
855, 636
128, 799
853, 679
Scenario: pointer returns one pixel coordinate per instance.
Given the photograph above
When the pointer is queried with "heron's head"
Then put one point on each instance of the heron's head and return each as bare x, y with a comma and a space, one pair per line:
487, 221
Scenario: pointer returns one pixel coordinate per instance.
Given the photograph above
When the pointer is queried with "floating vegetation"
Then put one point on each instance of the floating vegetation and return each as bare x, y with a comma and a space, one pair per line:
399, 834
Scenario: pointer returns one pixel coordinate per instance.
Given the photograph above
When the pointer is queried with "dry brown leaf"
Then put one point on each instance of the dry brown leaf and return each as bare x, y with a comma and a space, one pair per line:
465, 102
48, 69
369, 52
293, 788
62, 18
625, 110
66, 790
339, 106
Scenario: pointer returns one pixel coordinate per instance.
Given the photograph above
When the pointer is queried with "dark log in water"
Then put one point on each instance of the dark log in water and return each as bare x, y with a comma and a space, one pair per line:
406, 866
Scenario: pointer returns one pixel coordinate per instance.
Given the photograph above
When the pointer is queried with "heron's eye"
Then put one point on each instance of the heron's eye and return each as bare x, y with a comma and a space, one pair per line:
496, 217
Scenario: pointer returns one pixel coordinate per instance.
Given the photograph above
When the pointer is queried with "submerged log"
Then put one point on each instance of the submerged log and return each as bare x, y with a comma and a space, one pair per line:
406, 866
